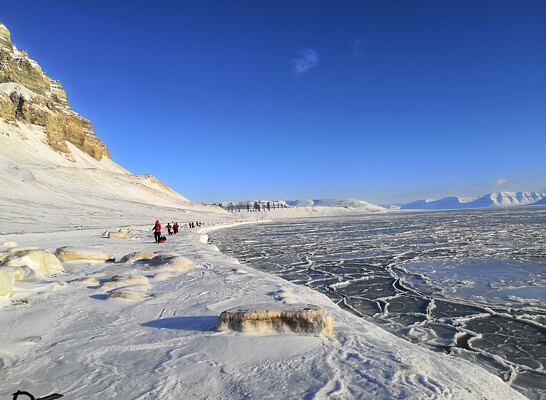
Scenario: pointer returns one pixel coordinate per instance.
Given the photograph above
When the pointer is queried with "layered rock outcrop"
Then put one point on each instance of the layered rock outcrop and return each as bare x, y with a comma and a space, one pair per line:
28, 95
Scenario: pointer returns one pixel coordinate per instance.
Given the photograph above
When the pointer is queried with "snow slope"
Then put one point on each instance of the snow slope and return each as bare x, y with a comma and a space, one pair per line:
495, 199
37, 182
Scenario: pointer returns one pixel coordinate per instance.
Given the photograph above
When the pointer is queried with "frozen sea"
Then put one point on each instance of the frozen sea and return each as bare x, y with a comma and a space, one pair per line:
470, 283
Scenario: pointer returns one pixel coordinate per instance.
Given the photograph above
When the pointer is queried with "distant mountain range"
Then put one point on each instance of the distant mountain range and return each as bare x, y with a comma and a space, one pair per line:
351, 204
490, 200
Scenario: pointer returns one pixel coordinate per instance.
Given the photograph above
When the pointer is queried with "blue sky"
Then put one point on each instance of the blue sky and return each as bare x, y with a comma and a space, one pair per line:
383, 101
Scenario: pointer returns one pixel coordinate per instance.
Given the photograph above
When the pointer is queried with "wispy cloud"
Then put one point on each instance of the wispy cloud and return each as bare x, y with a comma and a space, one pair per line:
356, 47
501, 181
307, 60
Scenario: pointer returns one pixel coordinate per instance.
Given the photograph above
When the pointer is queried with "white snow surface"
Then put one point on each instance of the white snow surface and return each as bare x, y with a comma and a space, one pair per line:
68, 336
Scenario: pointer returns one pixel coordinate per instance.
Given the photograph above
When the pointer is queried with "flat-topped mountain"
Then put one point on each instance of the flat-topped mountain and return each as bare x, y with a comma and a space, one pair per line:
52, 161
28, 95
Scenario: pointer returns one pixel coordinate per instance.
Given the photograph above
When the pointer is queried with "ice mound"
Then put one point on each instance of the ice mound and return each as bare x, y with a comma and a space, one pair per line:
122, 235
131, 292
41, 262
172, 262
10, 243
282, 318
137, 255
69, 253
6, 283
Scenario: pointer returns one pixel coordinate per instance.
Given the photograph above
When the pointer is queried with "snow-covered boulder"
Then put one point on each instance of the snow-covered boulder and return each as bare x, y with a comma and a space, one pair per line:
282, 318
137, 255
69, 253
173, 262
19, 273
132, 292
41, 262
6, 283
122, 235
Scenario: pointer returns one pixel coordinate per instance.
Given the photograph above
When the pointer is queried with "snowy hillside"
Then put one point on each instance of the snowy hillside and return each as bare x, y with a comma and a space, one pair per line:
69, 189
495, 199
54, 170
351, 204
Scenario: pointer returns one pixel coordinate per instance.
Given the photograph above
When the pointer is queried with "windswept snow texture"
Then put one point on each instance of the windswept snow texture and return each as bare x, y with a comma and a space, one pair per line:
491, 200
471, 283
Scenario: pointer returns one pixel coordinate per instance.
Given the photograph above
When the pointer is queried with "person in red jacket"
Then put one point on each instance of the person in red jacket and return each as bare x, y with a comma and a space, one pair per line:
157, 231
175, 228
169, 228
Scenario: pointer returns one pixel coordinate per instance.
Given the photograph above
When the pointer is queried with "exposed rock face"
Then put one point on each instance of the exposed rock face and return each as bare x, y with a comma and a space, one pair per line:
282, 318
28, 95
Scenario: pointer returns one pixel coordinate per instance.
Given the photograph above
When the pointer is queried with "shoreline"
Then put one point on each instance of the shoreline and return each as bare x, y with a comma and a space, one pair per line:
170, 337
205, 238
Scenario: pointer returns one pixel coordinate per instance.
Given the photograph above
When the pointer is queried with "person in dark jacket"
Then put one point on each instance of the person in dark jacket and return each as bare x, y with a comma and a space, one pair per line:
169, 228
175, 228
157, 231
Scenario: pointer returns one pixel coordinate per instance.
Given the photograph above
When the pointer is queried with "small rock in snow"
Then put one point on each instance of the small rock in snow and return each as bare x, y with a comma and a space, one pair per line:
282, 318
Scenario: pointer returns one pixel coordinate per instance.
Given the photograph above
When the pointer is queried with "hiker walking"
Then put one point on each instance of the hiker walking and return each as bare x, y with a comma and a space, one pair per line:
157, 231
175, 228
169, 229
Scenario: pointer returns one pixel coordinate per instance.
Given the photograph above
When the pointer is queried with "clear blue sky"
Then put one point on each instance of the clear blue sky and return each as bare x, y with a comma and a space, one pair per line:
231, 100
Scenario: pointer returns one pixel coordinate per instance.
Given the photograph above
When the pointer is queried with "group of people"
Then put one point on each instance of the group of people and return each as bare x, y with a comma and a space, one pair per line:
172, 229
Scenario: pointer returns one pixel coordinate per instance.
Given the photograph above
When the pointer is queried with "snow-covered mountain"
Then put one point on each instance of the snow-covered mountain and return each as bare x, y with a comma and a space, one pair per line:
490, 200
541, 202
351, 204
51, 159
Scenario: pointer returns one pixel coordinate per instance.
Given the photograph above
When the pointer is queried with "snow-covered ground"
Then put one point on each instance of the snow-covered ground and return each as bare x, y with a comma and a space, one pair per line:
63, 334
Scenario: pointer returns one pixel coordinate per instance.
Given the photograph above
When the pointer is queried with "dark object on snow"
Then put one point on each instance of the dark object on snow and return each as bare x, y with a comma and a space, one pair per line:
162, 239
31, 397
